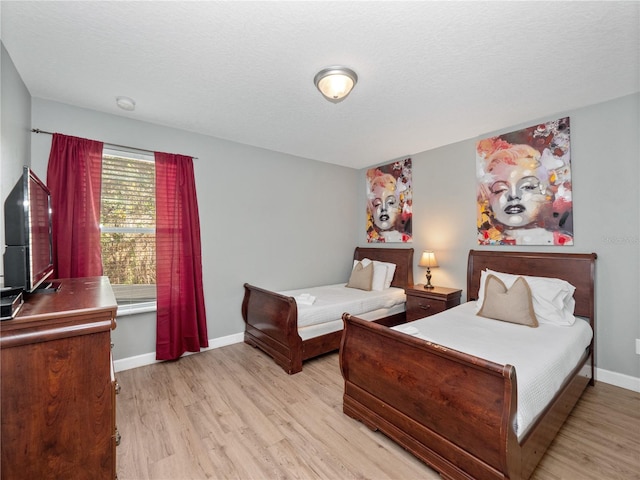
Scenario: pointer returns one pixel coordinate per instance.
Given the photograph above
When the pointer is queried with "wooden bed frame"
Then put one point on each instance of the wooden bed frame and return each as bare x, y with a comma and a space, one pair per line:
454, 411
271, 319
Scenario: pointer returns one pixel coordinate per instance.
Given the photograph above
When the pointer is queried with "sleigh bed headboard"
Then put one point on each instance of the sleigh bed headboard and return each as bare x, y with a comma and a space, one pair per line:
576, 268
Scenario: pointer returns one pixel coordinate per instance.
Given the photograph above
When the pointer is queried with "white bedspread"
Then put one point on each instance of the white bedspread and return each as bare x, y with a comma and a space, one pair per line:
543, 356
331, 301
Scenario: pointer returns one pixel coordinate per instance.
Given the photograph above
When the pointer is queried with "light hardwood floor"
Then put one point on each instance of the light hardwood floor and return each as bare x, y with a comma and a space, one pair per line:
231, 413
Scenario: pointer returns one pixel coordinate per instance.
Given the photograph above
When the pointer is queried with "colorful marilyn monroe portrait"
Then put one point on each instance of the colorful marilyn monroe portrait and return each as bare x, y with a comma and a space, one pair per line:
524, 187
389, 200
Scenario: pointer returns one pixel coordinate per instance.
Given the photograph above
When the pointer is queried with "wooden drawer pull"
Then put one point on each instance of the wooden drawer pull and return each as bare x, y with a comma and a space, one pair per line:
425, 307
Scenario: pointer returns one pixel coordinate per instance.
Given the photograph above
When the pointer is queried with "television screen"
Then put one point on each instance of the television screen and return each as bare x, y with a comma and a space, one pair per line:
28, 258
40, 251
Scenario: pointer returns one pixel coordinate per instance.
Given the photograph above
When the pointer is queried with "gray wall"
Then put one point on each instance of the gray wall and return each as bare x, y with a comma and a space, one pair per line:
283, 222
266, 218
15, 123
605, 154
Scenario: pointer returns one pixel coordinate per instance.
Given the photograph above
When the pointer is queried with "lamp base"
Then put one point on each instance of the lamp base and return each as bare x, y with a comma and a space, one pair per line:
428, 284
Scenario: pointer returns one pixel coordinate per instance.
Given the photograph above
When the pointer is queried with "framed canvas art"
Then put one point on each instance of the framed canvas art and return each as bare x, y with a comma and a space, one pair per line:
524, 186
389, 201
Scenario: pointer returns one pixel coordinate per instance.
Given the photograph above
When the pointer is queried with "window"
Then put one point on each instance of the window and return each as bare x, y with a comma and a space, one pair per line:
128, 225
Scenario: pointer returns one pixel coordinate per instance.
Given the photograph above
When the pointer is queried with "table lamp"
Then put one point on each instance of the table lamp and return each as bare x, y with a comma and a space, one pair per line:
428, 259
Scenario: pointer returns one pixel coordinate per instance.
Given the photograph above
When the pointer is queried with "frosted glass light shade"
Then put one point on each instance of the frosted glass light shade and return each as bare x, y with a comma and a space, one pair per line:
335, 83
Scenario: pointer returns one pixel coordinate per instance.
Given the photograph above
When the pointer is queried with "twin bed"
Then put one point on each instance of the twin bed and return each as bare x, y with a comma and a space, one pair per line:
272, 318
459, 412
475, 415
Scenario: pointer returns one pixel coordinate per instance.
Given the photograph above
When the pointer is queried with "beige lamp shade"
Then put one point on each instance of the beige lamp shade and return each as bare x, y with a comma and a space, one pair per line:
428, 259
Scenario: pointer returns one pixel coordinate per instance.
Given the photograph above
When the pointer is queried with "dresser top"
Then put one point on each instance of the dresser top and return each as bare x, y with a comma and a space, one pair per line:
79, 306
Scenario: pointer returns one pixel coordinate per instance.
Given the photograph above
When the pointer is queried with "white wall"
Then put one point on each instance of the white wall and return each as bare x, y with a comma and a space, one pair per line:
605, 158
15, 123
266, 218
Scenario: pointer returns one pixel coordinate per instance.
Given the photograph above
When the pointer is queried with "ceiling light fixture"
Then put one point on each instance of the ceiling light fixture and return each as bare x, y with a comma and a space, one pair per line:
126, 103
335, 83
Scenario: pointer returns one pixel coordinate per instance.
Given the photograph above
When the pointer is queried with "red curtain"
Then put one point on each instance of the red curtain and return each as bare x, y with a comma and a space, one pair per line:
181, 319
74, 179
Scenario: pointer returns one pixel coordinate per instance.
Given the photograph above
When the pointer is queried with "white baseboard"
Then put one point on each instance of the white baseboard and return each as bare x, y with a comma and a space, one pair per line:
613, 378
618, 379
150, 358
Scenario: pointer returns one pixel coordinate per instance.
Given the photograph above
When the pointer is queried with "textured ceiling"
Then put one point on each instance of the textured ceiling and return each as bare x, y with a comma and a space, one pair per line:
430, 73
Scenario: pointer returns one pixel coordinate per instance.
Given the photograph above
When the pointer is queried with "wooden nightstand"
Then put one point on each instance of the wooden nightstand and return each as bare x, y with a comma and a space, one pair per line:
422, 302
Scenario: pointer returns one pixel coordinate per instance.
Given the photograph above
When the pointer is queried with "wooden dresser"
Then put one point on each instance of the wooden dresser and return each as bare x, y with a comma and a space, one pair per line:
58, 385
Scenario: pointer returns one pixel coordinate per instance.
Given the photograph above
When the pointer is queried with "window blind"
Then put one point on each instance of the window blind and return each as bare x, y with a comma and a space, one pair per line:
128, 225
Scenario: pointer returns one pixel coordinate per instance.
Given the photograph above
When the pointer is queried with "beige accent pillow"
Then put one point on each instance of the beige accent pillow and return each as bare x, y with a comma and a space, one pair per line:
509, 305
361, 277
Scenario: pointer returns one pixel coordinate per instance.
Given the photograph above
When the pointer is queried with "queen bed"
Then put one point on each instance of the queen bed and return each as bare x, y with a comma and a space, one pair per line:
469, 415
290, 331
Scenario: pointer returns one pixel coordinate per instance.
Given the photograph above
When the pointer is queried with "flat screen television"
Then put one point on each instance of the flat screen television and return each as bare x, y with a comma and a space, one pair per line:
28, 256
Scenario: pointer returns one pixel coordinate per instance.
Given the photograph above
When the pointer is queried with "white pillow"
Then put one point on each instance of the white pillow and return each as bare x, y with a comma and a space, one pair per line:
391, 270
553, 300
382, 273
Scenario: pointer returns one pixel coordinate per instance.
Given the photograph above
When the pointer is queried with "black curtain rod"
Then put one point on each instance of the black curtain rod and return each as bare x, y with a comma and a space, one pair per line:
37, 130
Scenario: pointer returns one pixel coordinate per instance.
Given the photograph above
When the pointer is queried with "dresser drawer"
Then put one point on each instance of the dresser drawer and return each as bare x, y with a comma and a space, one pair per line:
418, 307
